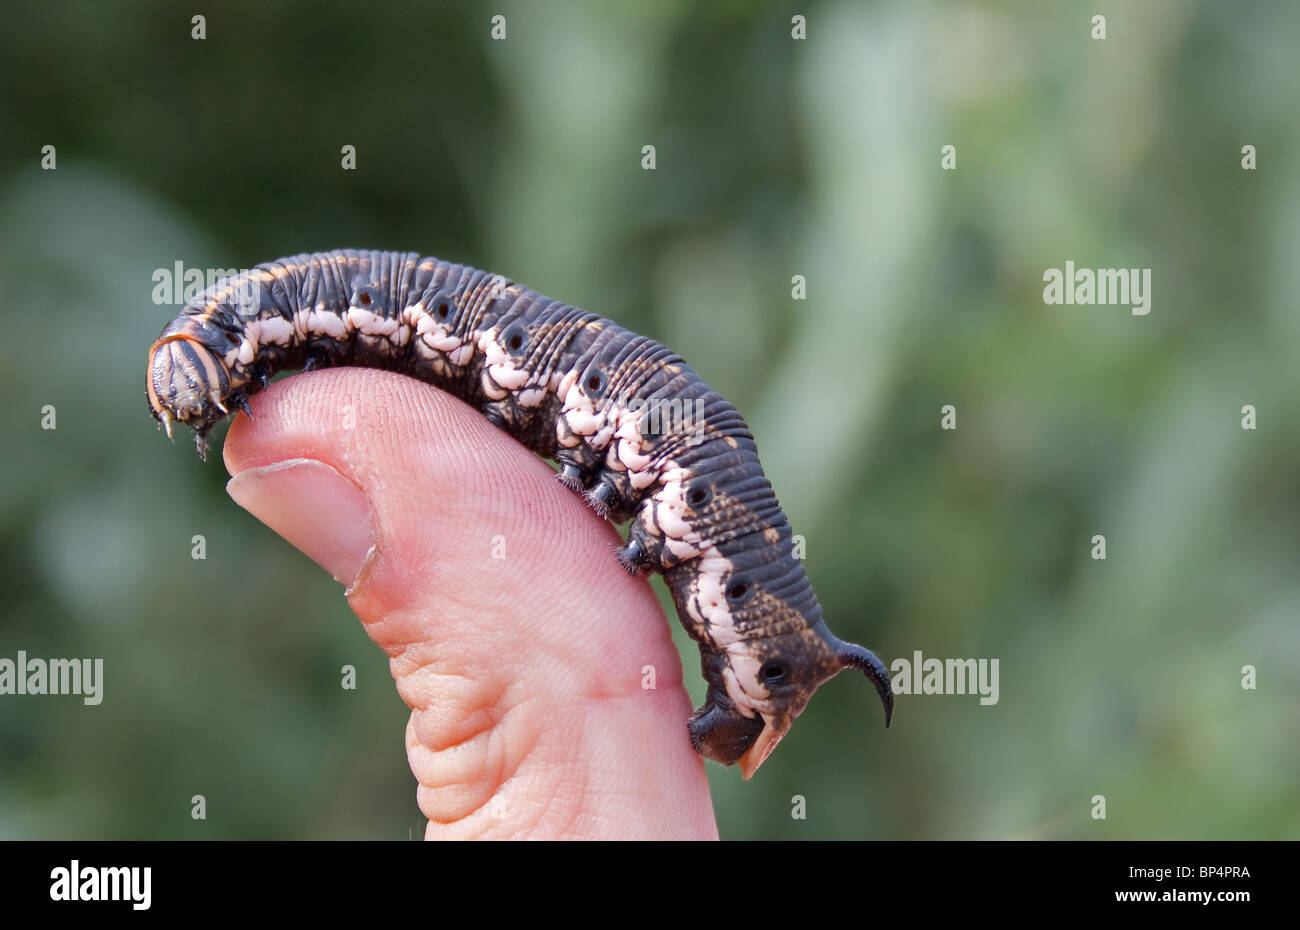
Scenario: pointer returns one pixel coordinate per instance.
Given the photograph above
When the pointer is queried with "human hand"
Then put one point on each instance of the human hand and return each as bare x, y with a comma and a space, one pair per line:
523, 671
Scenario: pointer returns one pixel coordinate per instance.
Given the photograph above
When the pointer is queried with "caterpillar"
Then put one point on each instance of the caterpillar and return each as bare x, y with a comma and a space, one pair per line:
629, 424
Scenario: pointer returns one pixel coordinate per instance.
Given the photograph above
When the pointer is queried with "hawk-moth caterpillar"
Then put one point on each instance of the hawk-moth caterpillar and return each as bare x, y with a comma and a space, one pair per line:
630, 425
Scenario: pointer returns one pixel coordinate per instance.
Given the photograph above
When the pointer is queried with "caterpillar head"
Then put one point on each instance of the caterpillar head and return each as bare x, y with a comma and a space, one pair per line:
188, 380
758, 687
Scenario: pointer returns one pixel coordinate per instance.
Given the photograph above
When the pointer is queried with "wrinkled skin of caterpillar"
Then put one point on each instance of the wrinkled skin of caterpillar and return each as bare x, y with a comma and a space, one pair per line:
631, 426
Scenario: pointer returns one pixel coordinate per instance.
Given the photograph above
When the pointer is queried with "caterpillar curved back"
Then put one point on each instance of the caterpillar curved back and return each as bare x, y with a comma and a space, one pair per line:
632, 427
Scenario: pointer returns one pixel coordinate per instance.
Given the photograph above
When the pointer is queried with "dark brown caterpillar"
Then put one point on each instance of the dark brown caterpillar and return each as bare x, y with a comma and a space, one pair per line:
630, 424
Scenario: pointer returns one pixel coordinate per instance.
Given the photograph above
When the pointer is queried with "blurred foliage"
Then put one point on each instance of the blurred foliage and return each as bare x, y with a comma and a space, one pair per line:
775, 157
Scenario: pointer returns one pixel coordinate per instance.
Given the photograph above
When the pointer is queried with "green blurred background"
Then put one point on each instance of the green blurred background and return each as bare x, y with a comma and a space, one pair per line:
775, 157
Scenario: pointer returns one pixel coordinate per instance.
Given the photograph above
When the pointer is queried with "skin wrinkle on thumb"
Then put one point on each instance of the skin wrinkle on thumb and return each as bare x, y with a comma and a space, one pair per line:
314, 507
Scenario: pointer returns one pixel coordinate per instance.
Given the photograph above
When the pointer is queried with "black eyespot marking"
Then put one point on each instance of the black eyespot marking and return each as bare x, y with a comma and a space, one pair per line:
515, 338
739, 591
367, 295
656, 427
